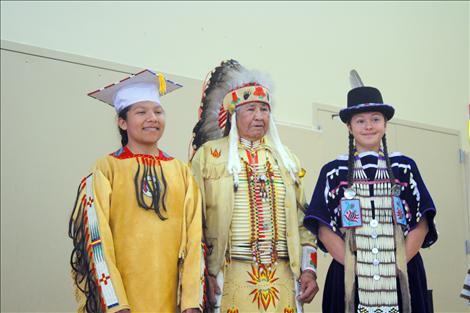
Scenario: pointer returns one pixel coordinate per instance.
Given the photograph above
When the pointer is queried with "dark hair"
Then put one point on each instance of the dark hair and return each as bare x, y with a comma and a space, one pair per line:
82, 275
352, 149
123, 114
228, 124
387, 160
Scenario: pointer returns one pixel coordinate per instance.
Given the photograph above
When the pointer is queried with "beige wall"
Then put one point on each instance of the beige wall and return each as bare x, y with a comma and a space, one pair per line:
416, 52
52, 133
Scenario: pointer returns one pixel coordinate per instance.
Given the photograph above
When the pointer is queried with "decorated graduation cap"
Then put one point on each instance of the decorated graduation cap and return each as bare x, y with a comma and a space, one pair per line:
228, 87
143, 86
364, 99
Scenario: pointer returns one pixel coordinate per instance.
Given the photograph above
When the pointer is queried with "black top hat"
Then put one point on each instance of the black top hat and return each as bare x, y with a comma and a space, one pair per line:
365, 99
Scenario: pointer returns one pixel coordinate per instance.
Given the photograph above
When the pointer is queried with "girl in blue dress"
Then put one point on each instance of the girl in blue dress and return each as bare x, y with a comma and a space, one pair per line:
372, 212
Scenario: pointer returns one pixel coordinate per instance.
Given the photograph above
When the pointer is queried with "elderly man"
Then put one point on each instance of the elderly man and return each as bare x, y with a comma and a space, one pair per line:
260, 258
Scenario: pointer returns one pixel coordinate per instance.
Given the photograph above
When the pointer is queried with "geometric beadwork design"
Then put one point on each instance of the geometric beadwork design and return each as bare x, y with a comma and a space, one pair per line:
309, 258
95, 249
381, 309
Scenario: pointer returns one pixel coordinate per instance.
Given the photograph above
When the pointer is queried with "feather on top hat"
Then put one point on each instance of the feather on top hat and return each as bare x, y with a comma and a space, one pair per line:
364, 99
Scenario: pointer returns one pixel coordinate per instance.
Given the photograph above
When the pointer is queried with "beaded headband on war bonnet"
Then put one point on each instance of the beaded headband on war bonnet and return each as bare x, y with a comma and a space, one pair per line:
246, 95
249, 93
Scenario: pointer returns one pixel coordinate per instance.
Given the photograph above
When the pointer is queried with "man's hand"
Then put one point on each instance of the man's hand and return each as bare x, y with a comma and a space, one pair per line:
192, 310
213, 290
308, 286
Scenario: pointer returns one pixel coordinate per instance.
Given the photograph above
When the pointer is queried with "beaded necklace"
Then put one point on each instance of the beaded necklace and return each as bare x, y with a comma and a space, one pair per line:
261, 189
262, 193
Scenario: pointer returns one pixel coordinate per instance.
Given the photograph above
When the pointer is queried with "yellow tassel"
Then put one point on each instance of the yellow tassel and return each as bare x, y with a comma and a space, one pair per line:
161, 84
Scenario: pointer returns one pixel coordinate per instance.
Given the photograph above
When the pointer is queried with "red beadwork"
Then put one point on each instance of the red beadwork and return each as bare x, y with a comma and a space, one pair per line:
126, 154
255, 203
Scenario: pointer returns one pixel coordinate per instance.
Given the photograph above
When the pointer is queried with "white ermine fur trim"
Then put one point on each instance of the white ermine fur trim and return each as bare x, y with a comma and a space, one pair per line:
298, 304
218, 298
233, 165
273, 135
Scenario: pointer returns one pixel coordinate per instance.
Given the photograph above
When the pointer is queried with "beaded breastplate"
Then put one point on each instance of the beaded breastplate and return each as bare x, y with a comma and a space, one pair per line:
258, 228
374, 241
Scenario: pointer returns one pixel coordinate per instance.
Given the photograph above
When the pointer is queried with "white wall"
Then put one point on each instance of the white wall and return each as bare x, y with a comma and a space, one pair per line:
417, 53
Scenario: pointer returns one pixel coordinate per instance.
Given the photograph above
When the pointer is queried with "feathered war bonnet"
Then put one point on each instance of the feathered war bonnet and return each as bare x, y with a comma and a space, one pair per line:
228, 87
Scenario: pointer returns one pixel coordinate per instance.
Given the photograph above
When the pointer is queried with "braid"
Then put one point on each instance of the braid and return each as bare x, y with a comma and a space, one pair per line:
228, 124
153, 186
387, 160
164, 187
82, 272
124, 138
351, 160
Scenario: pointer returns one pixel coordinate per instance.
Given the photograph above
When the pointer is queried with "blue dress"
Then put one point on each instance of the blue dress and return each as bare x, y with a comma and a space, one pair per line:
324, 206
